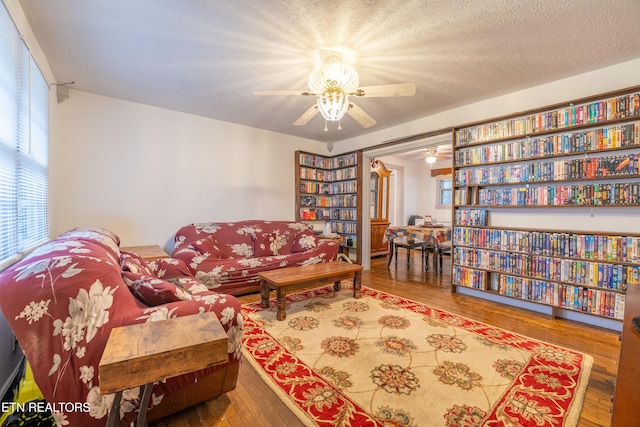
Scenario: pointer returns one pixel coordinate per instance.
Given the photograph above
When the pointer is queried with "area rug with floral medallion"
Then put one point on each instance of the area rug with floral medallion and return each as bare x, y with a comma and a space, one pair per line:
382, 360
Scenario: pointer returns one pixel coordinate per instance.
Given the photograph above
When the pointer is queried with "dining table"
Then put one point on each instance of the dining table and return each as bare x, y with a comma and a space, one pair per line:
429, 233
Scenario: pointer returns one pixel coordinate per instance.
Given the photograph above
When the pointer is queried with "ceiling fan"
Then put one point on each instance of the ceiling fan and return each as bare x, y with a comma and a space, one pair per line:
435, 153
332, 83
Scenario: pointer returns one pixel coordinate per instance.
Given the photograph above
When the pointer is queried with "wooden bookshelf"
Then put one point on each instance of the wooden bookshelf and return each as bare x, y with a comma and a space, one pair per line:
328, 191
582, 154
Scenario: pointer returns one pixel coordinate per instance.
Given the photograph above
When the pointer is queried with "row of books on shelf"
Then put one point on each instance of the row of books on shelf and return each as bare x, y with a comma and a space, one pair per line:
329, 187
328, 214
597, 247
616, 194
621, 136
577, 272
588, 300
338, 200
329, 175
477, 217
349, 241
572, 115
557, 170
328, 163
470, 278
345, 228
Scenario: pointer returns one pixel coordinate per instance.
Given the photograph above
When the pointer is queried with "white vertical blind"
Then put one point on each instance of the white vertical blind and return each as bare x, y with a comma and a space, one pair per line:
24, 141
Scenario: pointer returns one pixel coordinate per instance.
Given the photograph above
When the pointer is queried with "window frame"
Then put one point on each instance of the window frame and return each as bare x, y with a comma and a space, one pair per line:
440, 190
24, 157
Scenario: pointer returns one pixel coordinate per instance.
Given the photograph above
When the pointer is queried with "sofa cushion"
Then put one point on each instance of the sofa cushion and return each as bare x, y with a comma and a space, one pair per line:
169, 268
153, 291
304, 241
211, 247
272, 244
133, 262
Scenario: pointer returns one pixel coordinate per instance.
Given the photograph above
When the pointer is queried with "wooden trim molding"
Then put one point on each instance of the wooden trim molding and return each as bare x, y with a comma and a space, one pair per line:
440, 171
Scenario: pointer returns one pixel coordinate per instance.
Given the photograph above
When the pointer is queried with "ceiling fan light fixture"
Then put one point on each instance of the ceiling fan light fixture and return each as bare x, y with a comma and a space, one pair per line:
333, 104
430, 159
332, 81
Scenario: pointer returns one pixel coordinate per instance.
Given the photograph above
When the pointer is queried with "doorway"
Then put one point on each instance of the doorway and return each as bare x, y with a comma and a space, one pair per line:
406, 202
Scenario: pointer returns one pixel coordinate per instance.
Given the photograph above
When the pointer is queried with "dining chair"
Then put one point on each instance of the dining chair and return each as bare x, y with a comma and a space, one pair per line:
410, 243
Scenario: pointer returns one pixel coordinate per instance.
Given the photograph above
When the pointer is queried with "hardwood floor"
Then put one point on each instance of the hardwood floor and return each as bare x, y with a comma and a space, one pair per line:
253, 403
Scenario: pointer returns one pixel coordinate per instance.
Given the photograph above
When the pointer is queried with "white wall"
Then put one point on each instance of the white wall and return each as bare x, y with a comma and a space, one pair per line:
143, 172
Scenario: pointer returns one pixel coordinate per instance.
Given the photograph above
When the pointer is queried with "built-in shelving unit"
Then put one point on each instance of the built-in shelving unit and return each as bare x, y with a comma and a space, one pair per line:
582, 155
327, 190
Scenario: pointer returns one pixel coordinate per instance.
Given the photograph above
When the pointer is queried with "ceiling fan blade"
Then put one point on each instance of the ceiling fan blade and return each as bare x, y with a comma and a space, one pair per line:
359, 115
401, 89
306, 116
281, 92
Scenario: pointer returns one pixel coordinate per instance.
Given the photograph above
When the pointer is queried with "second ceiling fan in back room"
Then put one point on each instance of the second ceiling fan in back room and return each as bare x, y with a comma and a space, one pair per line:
431, 154
332, 83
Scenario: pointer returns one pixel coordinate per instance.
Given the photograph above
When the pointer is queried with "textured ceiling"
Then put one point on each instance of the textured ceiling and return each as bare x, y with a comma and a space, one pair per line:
207, 57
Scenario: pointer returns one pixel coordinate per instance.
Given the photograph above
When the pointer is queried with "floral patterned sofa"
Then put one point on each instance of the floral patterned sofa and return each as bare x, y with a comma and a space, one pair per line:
64, 298
227, 256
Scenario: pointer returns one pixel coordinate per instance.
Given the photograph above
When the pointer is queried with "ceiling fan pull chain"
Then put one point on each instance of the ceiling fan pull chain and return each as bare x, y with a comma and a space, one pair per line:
326, 129
339, 125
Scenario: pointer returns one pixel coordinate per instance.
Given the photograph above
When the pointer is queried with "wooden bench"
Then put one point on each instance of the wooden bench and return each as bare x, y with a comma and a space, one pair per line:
285, 279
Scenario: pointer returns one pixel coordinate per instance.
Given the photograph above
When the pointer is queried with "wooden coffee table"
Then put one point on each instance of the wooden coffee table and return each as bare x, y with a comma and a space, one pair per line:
286, 279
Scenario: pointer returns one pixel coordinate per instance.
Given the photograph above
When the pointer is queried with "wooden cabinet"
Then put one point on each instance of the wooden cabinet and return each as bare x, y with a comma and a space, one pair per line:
377, 233
379, 207
583, 156
327, 191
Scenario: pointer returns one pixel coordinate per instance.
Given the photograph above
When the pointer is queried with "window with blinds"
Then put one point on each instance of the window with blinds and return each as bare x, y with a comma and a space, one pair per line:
24, 143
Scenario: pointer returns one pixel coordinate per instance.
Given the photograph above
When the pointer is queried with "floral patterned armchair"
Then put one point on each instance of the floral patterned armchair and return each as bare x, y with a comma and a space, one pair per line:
65, 297
227, 256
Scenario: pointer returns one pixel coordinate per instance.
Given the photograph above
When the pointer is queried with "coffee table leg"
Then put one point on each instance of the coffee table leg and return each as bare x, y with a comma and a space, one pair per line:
281, 302
145, 395
264, 294
357, 293
114, 413
337, 286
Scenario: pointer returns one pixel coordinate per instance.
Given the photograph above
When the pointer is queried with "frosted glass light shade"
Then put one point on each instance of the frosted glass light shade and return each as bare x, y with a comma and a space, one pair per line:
333, 104
333, 75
